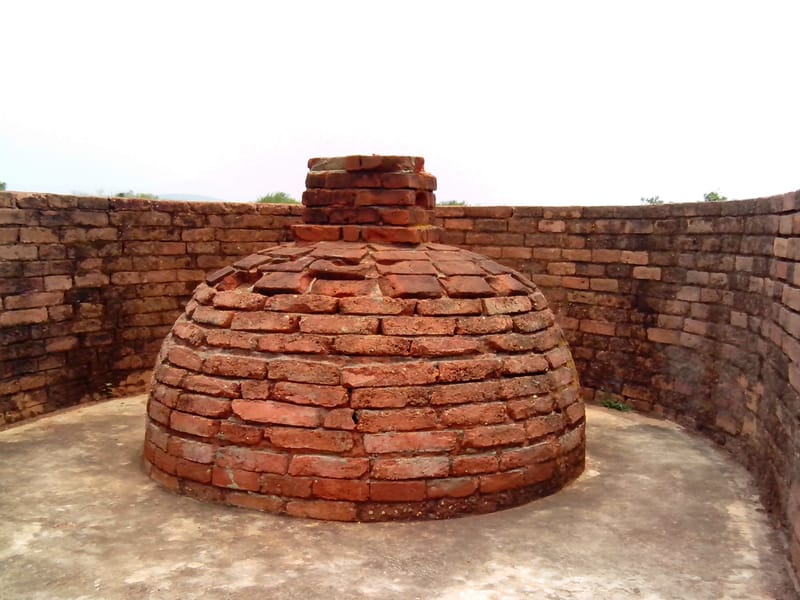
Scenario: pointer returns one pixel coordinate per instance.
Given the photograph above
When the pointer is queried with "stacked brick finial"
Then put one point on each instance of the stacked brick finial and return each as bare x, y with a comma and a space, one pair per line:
343, 377
387, 199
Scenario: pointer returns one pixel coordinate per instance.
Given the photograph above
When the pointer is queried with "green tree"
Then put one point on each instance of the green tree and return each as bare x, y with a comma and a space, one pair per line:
132, 194
277, 198
452, 203
651, 200
714, 197
2, 186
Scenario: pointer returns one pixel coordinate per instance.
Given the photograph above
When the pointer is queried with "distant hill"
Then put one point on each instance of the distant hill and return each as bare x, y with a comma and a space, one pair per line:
190, 198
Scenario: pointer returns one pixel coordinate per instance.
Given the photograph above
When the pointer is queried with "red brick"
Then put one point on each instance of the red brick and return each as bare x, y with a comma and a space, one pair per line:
211, 386
311, 465
378, 375
163, 461
286, 485
266, 411
494, 435
449, 306
375, 306
236, 479
157, 436
316, 395
168, 481
404, 419
191, 470
561, 377
327, 510
407, 267
532, 385
206, 406
533, 321
304, 371
237, 433
499, 482
418, 326
260, 461
466, 287
523, 364
325, 441
460, 393
371, 345
212, 316
189, 332
235, 366
411, 286
467, 369
339, 489
191, 450
291, 266
33, 300
506, 305
521, 457
410, 468
185, 357
340, 418
572, 439
522, 408
166, 395
254, 501
474, 414
397, 491
14, 318
342, 288
238, 300
265, 321
520, 342
389, 397
413, 441
559, 357
388, 256
231, 339
301, 303
483, 325
193, 424
339, 324
471, 464
455, 487
297, 343
381, 197
283, 283
443, 346
316, 233
575, 412
257, 390
158, 412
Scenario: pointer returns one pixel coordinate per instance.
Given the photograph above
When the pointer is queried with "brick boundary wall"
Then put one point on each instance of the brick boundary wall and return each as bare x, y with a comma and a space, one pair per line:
689, 311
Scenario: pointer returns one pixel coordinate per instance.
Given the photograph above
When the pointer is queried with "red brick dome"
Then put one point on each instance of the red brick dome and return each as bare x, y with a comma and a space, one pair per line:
362, 380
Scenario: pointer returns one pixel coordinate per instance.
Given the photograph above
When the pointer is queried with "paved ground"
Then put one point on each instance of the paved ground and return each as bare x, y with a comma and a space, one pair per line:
658, 514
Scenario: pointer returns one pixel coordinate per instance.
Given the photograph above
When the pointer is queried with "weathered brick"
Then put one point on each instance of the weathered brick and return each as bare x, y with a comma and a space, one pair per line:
410, 373
484, 413
263, 321
443, 346
372, 345
238, 300
460, 393
193, 424
327, 510
198, 452
235, 366
471, 464
266, 411
483, 325
487, 436
315, 395
236, 479
412, 441
321, 440
249, 459
403, 419
211, 316
389, 397
304, 371
211, 386
339, 324
341, 489
397, 491
418, 325
410, 468
312, 465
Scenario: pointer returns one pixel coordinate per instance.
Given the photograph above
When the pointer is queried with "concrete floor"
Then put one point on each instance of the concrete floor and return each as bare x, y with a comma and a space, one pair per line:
658, 514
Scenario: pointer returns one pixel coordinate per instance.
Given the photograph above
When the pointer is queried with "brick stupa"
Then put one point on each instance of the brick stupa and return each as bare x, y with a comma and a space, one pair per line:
366, 372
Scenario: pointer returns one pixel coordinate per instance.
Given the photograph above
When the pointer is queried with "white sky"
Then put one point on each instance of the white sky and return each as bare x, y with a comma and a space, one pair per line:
539, 103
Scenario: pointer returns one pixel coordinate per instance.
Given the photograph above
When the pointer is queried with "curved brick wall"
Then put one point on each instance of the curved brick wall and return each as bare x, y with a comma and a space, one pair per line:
686, 310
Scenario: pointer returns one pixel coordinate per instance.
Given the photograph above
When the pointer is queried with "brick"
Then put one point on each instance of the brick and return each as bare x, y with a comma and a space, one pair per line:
340, 418
597, 327
371, 345
403, 419
467, 369
211, 316
189, 332
315, 395
235, 366
533, 321
523, 408
311, 465
407, 267
33, 300
304, 371
443, 346
163, 461
471, 464
483, 325
207, 406
339, 324
264, 321
286, 485
283, 282
297, 343
237, 433
249, 459
410, 442
236, 479
238, 300
342, 288
339, 489
416, 467
449, 306
524, 364
185, 357
14, 318
211, 386
198, 452
417, 326
193, 424
460, 393
454, 487
280, 413
474, 414
389, 397
520, 342
158, 412
375, 306
254, 501
650, 273
227, 339
499, 482
494, 435
397, 491
324, 441
327, 510
664, 336
411, 286
379, 375
301, 303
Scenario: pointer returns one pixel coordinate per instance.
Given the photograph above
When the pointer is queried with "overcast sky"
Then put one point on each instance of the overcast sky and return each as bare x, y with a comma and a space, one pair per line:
538, 103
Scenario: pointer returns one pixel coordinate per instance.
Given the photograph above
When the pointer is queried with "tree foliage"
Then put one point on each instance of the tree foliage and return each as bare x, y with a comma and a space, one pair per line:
714, 197
2, 186
132, 194
651, 200
277, 198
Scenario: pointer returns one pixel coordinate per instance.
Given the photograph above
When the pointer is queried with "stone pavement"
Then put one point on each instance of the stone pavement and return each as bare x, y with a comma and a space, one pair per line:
659, 513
